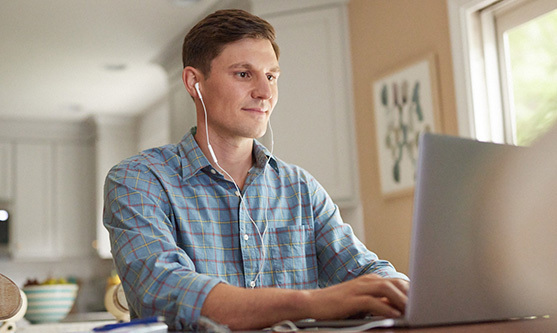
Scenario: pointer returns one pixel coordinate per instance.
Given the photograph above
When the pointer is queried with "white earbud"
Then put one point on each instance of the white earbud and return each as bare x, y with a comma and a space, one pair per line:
196, 85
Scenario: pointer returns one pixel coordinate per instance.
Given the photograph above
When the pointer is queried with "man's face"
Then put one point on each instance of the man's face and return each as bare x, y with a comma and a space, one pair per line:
241, 89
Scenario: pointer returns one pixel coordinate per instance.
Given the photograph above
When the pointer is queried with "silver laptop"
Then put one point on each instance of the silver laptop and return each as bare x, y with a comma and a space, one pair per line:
451, 277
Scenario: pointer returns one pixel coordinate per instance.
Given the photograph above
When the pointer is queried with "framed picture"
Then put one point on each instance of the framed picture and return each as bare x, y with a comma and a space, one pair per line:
405, 102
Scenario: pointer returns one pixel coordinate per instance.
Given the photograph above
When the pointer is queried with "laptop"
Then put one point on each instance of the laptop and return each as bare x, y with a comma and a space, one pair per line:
452, 278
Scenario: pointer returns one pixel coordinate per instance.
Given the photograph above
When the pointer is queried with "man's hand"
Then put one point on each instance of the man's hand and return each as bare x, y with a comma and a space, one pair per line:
243, 309
367, 294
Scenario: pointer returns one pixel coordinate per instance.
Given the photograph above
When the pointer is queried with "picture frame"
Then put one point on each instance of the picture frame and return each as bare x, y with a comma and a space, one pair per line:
405, 103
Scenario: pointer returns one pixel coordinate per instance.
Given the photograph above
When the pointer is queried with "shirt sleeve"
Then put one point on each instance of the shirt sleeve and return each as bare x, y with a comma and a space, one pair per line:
158, 277
341, 255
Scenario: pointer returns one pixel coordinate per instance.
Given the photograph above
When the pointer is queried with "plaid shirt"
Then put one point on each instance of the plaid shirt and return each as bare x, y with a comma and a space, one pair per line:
178, 228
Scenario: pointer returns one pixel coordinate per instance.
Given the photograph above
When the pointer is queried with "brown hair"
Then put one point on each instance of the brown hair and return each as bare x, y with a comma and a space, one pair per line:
205, 41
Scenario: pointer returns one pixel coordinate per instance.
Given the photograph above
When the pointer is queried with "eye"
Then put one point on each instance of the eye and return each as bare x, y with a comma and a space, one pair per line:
271, 77
243, 75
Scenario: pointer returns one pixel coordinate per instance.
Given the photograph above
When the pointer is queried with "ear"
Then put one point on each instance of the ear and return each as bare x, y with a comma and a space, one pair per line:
190, 76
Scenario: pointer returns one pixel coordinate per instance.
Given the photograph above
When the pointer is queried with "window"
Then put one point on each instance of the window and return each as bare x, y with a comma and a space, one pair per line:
505, 68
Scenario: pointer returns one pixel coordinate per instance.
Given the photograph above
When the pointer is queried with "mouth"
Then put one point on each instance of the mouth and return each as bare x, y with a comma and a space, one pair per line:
256, 110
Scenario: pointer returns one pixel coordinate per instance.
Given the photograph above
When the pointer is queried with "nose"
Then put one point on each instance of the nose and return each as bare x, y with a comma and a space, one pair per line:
263, 88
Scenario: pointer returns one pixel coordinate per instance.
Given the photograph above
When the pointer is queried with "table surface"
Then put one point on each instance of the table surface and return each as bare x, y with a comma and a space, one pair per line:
516, 326
538, 325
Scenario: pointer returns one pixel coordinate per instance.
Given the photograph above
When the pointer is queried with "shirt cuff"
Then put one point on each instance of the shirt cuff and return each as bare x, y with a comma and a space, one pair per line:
191, 303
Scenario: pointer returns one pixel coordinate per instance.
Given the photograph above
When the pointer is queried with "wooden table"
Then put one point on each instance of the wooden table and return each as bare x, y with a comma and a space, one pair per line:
538, 325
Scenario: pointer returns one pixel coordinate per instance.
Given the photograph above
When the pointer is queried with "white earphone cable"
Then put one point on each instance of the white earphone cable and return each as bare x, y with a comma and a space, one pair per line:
262, 251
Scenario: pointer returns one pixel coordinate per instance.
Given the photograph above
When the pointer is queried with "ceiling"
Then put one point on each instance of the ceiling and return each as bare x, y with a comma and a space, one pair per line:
69, 59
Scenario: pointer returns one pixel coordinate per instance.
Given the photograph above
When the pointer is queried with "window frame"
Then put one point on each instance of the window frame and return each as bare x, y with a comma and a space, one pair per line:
483, 96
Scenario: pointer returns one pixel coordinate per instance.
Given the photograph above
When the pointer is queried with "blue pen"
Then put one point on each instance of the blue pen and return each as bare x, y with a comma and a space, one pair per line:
141, 321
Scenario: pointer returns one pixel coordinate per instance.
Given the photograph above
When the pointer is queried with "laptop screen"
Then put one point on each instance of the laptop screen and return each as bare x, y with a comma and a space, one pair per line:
451, 272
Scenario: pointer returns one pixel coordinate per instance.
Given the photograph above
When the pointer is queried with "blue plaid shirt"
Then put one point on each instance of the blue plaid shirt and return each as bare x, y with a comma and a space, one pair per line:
178, 228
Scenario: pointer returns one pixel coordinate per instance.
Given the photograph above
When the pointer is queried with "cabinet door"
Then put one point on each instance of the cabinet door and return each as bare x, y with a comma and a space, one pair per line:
313, 120
74, 203
6, 172
33, 231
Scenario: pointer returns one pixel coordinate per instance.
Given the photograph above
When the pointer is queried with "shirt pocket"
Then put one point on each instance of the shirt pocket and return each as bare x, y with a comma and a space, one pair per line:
292, 257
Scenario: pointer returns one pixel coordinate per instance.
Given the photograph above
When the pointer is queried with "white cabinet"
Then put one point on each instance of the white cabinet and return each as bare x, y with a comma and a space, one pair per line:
53, 199
6, 171
74, 199
54, 205
313, 120
32, 228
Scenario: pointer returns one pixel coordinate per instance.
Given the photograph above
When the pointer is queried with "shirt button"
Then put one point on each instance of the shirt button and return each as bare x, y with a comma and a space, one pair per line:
213, 171
252, 284
237, 193
246, 237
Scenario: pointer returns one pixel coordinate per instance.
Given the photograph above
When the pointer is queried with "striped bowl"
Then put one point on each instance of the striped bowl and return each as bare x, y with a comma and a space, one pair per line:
49, 303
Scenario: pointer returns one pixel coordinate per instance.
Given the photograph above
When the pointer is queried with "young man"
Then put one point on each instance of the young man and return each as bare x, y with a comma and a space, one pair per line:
216, 226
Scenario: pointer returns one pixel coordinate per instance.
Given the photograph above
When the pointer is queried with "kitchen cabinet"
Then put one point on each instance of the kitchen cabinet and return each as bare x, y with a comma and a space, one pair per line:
313, 120
74, 199
33, 228
6, 171
53, 214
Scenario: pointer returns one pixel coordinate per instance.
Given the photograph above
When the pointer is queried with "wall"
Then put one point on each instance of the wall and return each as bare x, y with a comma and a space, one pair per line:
154, 125
384, 36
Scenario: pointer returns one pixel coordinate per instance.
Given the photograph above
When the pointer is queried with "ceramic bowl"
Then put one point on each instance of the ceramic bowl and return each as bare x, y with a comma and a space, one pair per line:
49, 303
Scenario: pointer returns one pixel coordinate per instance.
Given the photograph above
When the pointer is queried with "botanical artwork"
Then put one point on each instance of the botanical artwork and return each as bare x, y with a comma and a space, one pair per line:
404, 108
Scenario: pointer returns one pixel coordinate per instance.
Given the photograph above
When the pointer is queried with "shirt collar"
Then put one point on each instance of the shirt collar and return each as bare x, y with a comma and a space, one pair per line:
193, 159
262, 154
